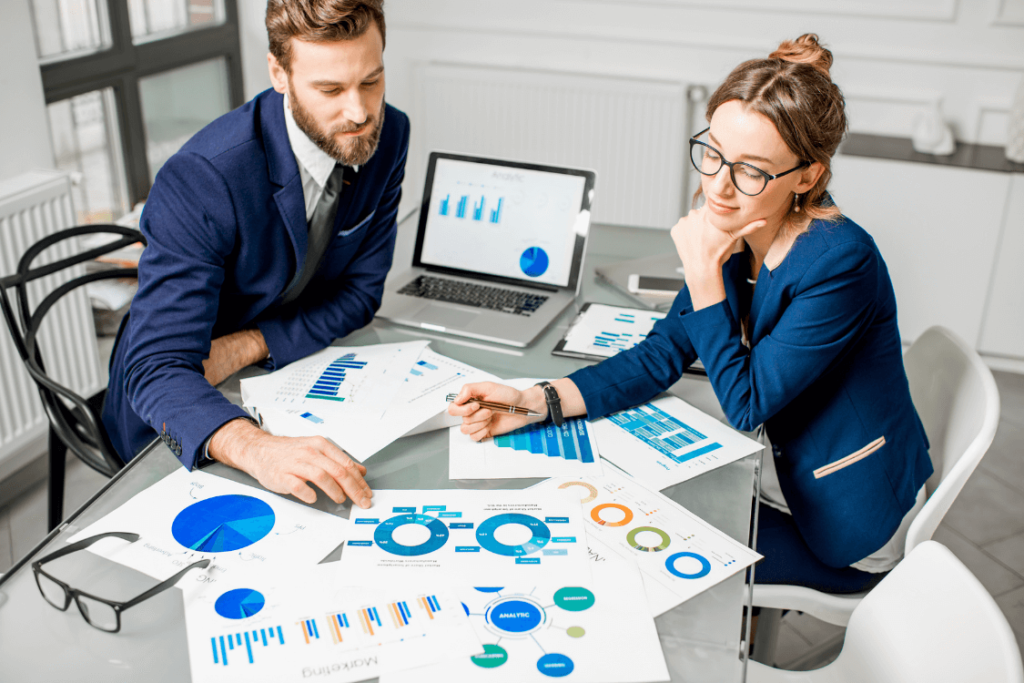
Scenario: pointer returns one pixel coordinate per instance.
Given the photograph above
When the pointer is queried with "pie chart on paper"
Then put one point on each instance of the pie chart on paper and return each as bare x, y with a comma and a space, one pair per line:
223, 523
240, 603
534, 261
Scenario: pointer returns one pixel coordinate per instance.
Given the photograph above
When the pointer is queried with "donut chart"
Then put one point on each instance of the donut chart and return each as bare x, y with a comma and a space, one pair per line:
485, 534
383, 535
665, 540
705, 566
588, 487
595, 514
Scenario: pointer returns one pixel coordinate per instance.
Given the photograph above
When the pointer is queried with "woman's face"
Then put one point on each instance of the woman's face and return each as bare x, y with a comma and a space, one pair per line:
744, 135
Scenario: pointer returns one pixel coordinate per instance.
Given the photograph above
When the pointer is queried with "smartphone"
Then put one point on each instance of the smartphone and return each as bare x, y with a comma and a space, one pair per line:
654, 286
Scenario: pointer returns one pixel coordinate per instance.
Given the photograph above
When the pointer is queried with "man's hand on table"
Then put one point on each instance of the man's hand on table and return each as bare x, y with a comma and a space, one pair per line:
290, 464
232, 352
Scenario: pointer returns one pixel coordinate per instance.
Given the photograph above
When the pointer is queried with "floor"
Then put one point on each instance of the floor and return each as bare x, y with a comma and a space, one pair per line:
984, 528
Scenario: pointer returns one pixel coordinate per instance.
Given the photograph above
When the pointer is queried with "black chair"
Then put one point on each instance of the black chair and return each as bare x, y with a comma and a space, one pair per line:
75, 422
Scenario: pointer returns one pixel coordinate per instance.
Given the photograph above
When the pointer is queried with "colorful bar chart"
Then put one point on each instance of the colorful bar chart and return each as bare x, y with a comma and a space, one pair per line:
443, 209
460, 209
430, 604
367, 618
478, 210
337, 622
661, 431
328, 384
496, 212
570, 442
264, 637
400, 613
309, 630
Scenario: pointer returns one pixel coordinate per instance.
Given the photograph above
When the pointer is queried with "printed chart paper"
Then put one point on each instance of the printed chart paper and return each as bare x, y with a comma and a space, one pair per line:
668, 441
310, 627
601, 633
355, 380
458, 537
607, 330
190, 516
420, 397
536, 450
674, 548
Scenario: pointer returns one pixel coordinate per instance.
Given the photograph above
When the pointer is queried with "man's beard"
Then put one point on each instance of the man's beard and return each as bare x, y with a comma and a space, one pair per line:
355, 151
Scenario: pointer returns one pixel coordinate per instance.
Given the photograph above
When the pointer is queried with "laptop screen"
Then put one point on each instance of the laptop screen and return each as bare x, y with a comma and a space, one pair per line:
503, 219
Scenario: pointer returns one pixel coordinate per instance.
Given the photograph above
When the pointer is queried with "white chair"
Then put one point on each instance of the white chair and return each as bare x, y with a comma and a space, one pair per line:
956, 396
929, 620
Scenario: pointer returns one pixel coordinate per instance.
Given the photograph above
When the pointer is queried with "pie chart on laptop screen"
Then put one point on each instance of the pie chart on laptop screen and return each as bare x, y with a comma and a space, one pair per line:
534, 261
223, 523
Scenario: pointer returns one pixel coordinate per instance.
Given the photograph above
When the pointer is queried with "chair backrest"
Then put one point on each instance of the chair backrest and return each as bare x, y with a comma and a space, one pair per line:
956, 396
929, 620
74, 419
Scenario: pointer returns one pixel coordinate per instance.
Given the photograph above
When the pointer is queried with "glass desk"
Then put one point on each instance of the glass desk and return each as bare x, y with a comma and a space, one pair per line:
701, 638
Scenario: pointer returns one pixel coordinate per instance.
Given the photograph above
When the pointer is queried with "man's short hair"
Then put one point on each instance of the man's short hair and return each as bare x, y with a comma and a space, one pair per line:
319, 21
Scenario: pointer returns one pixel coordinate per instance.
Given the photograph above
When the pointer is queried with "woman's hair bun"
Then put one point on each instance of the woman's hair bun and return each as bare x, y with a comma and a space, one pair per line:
805, 50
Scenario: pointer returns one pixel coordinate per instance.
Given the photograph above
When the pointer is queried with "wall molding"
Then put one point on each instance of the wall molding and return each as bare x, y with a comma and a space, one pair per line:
919, 10
1009, 13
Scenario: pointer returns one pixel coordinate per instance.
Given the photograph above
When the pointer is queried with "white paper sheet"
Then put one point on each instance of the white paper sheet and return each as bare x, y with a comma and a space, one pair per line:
311, 627
419, 399
674, 548
607, 330
352, 381
599, 633
190, 516
668, 441
457, 537
537, 450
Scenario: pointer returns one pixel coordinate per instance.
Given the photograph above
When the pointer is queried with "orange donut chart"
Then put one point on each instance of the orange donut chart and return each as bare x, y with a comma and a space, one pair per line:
595, 514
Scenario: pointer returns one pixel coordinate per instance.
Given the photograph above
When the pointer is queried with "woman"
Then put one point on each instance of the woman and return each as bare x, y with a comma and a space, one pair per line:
789, 306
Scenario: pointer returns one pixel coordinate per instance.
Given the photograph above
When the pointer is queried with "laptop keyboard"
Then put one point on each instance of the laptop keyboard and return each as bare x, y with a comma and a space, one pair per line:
468, 294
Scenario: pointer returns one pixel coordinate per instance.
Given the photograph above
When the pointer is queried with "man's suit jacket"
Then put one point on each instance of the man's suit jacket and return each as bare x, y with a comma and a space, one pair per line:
226, 229
824, 374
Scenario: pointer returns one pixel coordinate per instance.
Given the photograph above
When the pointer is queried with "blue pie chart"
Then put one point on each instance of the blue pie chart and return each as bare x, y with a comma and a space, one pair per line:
240, 603
534, 261
223, 523
383, 535
540, 534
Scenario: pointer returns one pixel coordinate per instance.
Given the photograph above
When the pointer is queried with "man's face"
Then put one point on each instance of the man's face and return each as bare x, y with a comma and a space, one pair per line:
336, 94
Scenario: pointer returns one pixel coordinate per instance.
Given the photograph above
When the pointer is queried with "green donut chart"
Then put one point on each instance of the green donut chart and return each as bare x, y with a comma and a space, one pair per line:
665, 540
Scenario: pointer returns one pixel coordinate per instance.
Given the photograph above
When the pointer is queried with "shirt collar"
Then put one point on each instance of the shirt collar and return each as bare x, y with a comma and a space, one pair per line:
318, 163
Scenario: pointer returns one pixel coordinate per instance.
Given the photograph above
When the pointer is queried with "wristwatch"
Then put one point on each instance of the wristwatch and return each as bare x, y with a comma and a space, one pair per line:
553, 401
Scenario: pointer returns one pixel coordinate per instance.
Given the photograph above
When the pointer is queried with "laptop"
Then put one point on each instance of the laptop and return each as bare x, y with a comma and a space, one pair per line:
499, 249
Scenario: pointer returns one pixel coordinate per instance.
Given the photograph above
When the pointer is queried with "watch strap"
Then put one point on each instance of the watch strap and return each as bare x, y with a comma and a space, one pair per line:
554, 402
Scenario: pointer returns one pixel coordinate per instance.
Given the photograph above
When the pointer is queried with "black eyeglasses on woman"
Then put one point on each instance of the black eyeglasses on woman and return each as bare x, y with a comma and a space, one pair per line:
748, 179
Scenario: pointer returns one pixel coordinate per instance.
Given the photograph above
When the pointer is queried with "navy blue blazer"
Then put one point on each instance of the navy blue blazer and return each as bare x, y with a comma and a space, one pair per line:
226, 224
824, 374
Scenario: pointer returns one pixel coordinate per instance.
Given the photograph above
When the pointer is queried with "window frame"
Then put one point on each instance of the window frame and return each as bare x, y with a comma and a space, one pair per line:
122, 65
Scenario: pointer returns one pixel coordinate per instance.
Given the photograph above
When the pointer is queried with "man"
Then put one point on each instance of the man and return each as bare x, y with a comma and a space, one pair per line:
269, 235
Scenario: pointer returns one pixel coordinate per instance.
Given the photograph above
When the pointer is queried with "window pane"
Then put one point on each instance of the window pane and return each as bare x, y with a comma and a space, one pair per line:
86, 143
158, 18
67, 28
176, 104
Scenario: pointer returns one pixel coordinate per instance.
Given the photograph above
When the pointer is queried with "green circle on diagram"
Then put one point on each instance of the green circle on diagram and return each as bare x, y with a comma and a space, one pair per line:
493, 657
631, 539
574, 599
575, 632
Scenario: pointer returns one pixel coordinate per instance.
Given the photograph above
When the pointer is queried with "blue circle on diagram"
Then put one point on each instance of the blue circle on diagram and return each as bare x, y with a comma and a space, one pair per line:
515, 616
485, 534
555, 665
534, 261
382, 536
223, 523
705, 566
240, 603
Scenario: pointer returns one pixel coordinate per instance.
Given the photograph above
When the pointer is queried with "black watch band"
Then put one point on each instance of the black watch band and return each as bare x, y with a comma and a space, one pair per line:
554, 403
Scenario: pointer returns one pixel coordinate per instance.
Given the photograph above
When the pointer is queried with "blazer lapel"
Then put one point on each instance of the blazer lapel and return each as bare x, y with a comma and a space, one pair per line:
284, 172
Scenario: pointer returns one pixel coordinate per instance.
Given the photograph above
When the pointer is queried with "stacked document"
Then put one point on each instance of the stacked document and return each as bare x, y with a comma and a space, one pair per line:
361, 398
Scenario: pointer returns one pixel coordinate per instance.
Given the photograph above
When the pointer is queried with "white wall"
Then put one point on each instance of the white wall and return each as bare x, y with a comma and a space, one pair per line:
253, 36
24, 130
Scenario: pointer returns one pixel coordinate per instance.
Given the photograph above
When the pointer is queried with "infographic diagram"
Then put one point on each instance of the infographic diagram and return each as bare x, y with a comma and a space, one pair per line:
454, 536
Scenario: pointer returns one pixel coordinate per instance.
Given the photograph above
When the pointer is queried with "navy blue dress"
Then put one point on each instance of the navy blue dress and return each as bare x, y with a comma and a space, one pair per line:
824, 374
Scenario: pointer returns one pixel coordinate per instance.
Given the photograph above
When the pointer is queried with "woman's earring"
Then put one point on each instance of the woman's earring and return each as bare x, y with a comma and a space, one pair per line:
796, 203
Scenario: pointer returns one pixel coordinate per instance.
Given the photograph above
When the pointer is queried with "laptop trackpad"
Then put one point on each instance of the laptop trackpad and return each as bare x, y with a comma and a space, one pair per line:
444, 316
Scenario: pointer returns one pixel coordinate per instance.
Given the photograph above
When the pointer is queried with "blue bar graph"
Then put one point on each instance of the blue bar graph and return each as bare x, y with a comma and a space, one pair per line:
443, 210
662, 432
478, 210
570, 442
460, 209
327, 386
251, 640
496, 213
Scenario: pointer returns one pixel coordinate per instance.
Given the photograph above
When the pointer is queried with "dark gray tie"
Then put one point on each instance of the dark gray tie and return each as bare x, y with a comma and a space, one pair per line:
321, 227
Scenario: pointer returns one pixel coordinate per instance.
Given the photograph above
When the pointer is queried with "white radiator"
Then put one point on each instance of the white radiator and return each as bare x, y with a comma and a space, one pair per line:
33, 206
632, 132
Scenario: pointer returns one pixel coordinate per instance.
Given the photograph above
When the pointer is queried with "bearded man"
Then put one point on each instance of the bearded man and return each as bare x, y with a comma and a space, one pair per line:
269, 235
